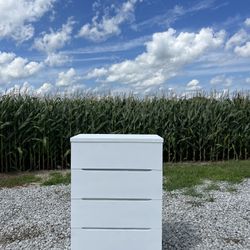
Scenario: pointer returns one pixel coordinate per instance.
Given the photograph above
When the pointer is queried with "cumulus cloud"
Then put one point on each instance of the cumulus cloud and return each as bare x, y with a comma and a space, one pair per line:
222, 80
165, 55
247, 22
16, 17
6, 57
240, 41
193, 85
96, 73
66, 78
56, 59
237, 39
103, 27
55, 39
50, 43
46, 88
244, 50
25, 88
12, 67
75, 88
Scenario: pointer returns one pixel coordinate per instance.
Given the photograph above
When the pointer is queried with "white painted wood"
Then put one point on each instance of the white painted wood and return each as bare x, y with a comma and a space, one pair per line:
116, 155
116, 239
119, 181
116, 138
116, 213
116, 184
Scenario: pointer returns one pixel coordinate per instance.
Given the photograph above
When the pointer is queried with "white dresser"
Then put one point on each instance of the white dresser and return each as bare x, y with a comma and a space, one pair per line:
116, 192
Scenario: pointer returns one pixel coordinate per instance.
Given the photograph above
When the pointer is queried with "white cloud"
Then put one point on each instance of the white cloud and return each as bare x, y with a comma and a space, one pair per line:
75, 88
56, 59
222, 93
6, 57
240, 41
237, 39
222, 80
244, 50
193, 85
247, 22
25, 88
45, 89
100, 30
55, 39
20, 67
12, 67
96, 73
66, 78
248, 80
16, 17
165, 55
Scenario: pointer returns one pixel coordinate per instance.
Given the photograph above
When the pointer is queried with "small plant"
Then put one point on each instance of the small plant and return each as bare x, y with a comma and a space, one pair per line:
192, 192
212, 187
231, 189
210, 199
195, 203
57, 178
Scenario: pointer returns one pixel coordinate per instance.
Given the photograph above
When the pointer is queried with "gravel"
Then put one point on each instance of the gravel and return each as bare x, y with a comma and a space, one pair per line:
36, 217
220, 219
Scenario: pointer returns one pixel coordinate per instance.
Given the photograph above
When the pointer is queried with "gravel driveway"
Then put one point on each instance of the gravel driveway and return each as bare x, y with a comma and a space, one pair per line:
39, 218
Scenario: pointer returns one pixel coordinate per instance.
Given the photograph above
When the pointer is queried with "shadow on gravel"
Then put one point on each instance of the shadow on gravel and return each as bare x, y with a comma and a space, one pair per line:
179, 236
19, 234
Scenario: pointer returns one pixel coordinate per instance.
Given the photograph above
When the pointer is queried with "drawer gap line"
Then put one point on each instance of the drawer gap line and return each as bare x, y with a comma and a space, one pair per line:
116, 228
116, 199
117, 169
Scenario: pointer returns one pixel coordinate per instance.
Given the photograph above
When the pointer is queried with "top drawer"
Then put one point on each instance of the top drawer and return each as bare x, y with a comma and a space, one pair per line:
116, 155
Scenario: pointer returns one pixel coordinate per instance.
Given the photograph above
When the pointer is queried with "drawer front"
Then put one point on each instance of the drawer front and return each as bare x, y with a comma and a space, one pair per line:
116, 214
116, 184
116, 239
116, 155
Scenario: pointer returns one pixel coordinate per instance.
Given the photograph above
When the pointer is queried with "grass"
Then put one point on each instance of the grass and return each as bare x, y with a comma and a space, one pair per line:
57, 178
40, 178
188, 175
177, 176
18, 180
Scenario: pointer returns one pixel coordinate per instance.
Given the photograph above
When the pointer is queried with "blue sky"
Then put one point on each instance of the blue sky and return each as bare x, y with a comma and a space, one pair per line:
126, 46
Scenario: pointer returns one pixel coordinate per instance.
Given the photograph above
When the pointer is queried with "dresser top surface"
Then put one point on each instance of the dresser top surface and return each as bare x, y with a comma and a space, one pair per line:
116, 138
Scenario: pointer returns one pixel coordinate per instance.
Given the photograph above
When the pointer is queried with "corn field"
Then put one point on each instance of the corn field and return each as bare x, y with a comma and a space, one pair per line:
35, 132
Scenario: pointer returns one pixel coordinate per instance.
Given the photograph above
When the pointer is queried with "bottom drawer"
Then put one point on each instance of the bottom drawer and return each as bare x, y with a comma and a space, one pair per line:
88, 239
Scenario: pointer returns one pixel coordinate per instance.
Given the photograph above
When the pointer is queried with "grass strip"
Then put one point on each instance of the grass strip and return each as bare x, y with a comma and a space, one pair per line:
188, 175
18, 180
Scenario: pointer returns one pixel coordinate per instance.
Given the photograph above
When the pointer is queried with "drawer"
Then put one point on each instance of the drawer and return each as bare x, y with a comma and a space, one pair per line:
116, 213
116, 155
116, 184
116, 239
